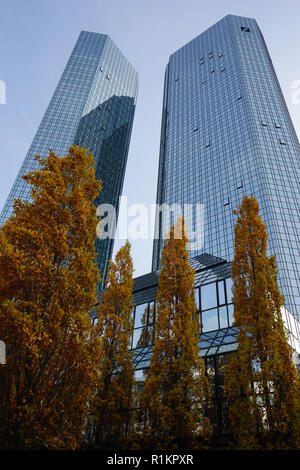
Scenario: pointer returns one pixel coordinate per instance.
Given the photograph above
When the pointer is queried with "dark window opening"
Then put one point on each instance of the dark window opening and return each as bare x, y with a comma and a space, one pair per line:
244, 28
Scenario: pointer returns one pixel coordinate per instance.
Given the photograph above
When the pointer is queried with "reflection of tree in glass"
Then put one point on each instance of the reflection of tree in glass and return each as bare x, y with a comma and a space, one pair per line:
146, 337
151, 323
143, 338
151, 313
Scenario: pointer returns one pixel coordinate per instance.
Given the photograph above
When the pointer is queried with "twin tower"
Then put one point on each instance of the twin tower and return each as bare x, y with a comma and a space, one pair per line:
226, 132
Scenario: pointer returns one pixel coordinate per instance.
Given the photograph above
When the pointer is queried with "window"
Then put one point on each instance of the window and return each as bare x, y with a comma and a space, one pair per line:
278, 126
195, 129
221, 292
239, 185
282, 142
230, 314
208, 296
210, 320
226, 201
140, 318
143, 332
244, 28
223, 317
151, 312
263, 123
140, 338
229, 285
239, 98
176, 79
197, 298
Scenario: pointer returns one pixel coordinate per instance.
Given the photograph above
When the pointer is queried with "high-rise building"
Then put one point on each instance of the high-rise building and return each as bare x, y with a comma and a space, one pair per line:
93, 106
226, 132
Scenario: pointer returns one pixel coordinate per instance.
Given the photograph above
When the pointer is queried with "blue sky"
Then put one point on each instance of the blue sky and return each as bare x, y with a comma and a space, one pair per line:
37, 37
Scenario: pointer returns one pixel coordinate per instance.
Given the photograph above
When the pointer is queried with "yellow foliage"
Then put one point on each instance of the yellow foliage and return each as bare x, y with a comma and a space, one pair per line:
175, 394
261, 382
111, 418
48, 280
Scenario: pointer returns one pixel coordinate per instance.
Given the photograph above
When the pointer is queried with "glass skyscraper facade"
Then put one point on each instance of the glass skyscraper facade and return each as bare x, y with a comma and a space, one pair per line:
226, 132
93, 106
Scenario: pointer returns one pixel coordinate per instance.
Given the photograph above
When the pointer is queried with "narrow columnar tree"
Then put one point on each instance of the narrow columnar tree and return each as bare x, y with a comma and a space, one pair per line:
174, 397
48, 279
111, 410
261, 381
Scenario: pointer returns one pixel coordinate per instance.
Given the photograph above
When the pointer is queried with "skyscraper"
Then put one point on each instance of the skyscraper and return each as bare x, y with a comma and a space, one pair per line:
226, 132
93, 106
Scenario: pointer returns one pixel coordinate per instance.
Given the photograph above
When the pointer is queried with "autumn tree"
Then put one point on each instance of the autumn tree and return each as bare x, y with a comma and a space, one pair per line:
111, 410
174, 397
48, 279
261, 380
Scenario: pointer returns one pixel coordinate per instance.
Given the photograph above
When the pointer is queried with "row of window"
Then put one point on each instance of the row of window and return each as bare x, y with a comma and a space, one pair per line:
209, 320
213, 302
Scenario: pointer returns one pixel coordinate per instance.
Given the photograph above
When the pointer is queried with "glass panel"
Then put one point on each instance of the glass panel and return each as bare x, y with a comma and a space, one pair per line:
221, 293
150, 334
230, 314
140, 374
151, 313
197, 299
229, 285
223, 317
140, 338
140, 315
135, 338
210, 320
208, 296
204, 344
229, 339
